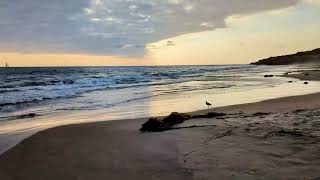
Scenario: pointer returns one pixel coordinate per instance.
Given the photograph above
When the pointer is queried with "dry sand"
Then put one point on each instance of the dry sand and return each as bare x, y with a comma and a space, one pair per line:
281, 142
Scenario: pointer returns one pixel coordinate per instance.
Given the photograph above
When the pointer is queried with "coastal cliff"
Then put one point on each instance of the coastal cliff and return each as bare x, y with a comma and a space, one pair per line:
298, 58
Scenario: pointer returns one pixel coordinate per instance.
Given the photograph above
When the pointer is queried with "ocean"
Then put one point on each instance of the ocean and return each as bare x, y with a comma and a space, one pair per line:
32, 99
45, 91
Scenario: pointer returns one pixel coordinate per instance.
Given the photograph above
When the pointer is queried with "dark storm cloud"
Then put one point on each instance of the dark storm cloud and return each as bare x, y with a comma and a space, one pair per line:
113, 27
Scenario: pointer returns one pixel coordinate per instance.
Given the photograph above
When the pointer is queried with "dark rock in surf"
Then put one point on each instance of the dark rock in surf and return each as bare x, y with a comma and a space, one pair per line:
24, 116
268, 76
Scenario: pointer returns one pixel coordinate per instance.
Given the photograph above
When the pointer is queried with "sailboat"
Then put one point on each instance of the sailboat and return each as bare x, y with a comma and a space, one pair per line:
7, 65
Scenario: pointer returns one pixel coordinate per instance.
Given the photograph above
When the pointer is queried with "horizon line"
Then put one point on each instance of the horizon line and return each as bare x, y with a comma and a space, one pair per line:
3, 67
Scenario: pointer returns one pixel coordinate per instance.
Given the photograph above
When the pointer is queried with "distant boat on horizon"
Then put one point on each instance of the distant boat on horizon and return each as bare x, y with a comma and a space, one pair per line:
7, 65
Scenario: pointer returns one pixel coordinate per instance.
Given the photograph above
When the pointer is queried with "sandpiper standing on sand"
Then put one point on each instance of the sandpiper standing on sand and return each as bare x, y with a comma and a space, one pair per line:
208, 104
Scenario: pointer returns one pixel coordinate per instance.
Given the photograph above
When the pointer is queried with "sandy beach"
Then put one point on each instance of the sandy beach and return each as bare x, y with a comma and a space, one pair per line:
273, 139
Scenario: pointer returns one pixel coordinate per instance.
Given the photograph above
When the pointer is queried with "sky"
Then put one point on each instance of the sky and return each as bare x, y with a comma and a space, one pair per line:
154, 32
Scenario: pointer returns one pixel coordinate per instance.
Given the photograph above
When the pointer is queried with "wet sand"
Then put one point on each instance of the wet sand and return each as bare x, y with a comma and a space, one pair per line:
273, 139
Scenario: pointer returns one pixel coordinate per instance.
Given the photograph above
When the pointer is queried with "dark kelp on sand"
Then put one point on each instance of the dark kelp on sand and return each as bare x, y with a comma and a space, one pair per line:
167, 123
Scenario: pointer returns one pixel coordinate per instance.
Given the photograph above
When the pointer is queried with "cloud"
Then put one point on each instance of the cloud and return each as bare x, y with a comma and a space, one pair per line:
316, 2
114, 27
170, 43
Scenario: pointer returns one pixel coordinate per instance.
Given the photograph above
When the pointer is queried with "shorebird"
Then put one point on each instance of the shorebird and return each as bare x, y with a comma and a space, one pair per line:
208, 104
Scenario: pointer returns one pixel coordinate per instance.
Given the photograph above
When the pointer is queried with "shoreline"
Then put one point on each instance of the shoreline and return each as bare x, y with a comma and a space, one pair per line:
117, 147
